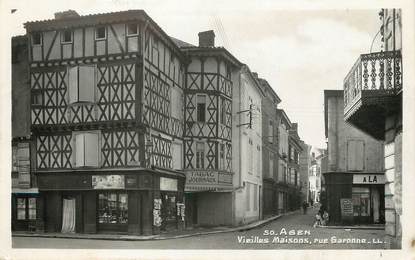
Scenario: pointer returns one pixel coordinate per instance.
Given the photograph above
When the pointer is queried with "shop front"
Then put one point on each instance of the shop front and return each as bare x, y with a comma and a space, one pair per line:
356, 198
138, 202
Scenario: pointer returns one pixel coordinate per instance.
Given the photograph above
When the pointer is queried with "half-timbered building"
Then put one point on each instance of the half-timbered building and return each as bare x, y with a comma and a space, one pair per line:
208, 131
107, 123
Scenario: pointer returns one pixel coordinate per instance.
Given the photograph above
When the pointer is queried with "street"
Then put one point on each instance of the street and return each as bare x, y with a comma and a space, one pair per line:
277, 234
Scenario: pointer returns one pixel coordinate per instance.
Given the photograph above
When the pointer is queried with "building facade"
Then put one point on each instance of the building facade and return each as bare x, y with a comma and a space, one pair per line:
24, 186
104, 124
305, 165
354, 180
315, 174
270, 152
373, 103
294, 150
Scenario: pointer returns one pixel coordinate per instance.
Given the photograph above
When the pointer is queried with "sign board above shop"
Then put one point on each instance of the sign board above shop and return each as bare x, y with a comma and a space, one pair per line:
368, 179
108, 182
168, 184
207, 180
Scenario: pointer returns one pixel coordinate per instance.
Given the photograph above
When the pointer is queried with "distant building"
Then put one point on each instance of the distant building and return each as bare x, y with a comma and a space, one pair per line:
354, 180
373, 103
315, 176
305, 165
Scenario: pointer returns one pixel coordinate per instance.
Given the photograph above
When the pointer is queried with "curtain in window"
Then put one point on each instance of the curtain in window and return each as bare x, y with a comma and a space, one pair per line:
68, 216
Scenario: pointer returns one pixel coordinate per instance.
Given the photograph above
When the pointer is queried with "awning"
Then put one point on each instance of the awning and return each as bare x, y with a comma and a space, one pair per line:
25, 191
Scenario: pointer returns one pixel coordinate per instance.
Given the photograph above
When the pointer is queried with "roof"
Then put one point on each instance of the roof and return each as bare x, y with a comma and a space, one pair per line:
212, 51
285, 117
181, 43
265, 84
253, 78
329, 93
101, 18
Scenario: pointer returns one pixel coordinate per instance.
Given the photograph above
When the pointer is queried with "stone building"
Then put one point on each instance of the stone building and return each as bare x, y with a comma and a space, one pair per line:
373, 103
354, 180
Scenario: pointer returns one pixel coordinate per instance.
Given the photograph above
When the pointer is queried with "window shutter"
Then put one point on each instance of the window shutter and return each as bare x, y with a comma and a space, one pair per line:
355, 155
360, 156
79, 146
87, 83
73, 84
91, 149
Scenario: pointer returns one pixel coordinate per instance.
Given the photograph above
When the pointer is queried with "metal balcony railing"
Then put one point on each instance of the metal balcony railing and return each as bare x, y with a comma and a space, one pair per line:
379, 72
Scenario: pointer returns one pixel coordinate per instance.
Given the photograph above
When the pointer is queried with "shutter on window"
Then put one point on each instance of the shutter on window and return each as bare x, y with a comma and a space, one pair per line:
91, 149
87, 83
73, 84
359, 155
79, 154
355, 155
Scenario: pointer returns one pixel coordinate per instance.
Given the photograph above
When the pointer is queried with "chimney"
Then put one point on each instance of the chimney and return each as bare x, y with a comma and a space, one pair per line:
207, 39
66, 14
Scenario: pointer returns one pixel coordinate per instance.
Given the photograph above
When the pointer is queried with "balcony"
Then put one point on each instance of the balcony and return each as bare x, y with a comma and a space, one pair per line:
372, 91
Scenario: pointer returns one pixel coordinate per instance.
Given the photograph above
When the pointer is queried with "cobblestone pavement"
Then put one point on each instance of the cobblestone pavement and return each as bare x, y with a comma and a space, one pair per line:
274, 235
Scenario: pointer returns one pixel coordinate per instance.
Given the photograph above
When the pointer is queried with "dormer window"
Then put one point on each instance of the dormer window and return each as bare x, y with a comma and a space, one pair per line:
36, 38
132, 29
100, 33
66, 36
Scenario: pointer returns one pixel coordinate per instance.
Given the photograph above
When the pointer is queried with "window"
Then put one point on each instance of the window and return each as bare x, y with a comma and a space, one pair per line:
81, 84
270, 132
100, 33
132, 29
201, 108
258, 160
250, 155
112, 208
285, 173
200, 155
222, 111
86, 149
36, 38
66, 36
255, 197
222, 157
176, 103
26, 208
355, 155
37, 98
295, 178
177, 156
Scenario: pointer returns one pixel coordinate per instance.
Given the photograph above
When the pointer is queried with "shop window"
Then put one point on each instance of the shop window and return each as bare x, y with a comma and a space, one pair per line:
361, 201
86, 149
132, 29
26, 208
100, 33
66, 36
201, 108
36, 38
112, 208
200, 155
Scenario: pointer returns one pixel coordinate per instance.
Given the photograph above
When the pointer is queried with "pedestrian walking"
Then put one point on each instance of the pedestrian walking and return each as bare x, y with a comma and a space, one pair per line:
305, 206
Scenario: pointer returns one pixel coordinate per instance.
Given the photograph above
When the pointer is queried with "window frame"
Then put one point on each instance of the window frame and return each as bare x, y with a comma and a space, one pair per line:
63, 36
34, 95
74, 150
40, 38
26, 208
128, 27
94, 85
200, 156
198, 112
118, 209
97, 32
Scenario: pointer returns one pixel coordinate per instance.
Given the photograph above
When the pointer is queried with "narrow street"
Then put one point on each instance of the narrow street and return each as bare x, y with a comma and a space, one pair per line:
264, 237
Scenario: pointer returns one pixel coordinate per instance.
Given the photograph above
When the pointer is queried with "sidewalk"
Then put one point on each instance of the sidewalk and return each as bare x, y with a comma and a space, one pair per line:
170, 235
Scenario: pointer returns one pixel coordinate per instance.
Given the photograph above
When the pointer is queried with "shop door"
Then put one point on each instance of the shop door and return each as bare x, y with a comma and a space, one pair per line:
113, 212
361, 205
68, 215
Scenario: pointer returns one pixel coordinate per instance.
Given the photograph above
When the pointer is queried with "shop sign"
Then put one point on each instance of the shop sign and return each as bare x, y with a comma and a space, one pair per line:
368, 179
346, 207
108, 182
168, 184
225, 178
202, 177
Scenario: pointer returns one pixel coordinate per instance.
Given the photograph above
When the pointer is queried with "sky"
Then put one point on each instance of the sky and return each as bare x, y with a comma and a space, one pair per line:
300, 52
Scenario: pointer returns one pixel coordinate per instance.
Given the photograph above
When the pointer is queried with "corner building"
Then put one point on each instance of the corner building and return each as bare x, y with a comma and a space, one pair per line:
106, 123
